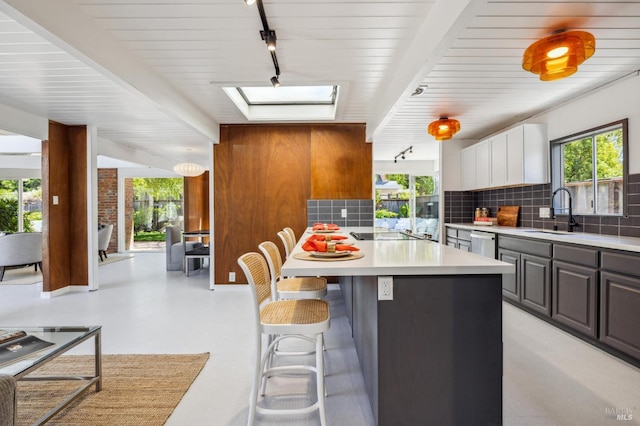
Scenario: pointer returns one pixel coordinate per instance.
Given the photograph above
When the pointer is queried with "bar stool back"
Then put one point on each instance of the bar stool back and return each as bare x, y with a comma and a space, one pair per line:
290, 288
286, 242
280, 320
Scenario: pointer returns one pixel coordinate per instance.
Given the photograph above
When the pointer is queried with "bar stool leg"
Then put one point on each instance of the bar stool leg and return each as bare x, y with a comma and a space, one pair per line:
255, 384
320, 379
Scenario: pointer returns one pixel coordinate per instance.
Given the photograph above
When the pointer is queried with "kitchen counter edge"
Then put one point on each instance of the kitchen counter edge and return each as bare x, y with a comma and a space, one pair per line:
594, 240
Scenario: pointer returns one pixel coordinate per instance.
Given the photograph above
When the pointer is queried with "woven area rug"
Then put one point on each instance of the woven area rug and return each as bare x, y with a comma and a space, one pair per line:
136, 390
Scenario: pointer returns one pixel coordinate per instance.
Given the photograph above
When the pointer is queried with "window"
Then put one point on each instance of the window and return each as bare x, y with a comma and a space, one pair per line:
592, 166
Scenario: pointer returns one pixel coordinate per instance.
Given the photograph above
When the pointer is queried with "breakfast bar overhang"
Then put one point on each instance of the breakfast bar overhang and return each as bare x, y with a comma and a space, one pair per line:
433, 354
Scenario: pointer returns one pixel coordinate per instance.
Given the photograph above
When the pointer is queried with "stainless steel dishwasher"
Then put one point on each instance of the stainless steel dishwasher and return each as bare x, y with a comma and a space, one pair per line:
483, 243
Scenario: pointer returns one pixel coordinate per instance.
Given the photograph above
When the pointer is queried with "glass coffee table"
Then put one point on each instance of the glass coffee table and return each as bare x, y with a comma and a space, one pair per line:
63, 339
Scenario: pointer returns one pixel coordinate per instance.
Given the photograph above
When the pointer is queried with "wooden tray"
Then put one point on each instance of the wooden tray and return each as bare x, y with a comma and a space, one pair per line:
508, 215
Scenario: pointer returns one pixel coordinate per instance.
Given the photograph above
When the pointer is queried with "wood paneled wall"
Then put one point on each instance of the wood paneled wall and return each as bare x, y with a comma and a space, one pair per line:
196, 202
264, 175
64, 239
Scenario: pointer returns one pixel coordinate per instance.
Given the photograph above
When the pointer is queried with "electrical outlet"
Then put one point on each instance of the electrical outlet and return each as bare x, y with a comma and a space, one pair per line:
385, 288
232, 277
344, 212
544, 212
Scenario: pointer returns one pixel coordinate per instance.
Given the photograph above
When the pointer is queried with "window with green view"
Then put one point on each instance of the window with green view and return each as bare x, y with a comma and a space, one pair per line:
592, 165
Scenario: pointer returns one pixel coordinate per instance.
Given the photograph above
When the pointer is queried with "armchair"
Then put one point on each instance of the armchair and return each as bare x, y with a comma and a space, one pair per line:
21, 248
175, 250
104, 237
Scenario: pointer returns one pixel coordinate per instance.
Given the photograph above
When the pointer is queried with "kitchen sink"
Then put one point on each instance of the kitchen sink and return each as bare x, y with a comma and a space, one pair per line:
547, 231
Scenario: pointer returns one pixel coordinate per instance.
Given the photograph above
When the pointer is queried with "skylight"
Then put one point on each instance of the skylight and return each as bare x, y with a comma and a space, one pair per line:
286, 103
289, 95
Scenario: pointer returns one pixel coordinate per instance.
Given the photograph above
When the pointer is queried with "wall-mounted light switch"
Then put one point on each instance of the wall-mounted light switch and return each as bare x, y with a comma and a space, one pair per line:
55, 200
344, 212
545, 212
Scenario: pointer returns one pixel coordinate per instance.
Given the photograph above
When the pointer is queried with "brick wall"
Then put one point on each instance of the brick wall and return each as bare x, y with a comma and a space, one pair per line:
108, 203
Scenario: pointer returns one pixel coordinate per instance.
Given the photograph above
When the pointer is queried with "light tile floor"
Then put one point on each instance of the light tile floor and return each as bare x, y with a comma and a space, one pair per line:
550, 377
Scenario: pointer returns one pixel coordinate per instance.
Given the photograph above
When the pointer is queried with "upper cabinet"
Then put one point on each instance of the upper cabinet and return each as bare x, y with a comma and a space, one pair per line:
519, 156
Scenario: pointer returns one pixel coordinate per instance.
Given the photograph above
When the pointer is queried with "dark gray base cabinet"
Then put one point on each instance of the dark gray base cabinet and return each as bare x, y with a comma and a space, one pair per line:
433, 354
620, 312
510, 282
536, 283
575, 297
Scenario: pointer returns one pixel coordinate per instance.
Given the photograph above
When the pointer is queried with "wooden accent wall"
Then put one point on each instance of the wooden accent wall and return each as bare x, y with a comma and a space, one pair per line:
264, 175
196, 202
64, 239
340, 168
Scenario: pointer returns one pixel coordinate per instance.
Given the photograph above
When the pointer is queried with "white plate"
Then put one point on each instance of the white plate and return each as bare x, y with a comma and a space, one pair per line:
328, 254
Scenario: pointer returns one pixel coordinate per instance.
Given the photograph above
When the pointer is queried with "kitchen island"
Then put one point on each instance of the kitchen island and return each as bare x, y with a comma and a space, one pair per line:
432, 354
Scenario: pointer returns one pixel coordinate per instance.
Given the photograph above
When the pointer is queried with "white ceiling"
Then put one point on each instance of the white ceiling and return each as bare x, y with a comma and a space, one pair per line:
149, 73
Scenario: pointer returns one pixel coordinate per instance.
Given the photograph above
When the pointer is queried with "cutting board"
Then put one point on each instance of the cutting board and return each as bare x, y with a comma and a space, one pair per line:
508, 215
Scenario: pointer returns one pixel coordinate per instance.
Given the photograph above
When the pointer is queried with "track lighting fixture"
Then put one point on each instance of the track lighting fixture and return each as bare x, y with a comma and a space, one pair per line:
269, 37
249, 2
401, 154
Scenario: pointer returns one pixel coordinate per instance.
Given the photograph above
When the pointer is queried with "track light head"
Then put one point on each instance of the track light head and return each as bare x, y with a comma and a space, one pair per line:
274, 81
249, 2
395, 160
270, 38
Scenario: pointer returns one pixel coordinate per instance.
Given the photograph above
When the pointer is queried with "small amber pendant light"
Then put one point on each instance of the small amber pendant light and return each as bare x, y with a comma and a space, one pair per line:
444, 128
558, 55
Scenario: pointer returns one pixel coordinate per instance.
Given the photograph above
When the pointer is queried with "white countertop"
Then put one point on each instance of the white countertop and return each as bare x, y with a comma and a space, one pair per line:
396, 257
594, 240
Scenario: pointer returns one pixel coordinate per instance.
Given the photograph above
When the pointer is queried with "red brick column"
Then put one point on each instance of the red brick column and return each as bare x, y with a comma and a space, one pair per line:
108, 203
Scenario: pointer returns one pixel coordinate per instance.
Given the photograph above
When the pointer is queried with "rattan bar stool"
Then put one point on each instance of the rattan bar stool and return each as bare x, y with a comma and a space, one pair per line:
286, 242
290, 288
292, 234
280, 320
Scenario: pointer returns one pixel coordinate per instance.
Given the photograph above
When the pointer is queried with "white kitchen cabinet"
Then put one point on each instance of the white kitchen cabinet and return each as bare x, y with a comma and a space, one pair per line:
519, 156
468, 168
498, 164
483, 164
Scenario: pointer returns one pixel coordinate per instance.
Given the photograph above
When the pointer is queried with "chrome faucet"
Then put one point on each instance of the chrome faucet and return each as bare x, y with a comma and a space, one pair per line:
572, 221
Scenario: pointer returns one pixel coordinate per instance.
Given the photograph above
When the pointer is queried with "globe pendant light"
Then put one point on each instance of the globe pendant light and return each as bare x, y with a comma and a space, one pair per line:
188, 169
444, 128
558, 55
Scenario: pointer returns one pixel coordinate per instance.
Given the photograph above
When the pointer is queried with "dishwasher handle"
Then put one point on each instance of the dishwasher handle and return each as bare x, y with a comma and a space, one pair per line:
483, 235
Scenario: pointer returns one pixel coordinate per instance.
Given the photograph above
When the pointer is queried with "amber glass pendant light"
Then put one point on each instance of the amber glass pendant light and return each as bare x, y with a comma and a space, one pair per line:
444, 128
559, 55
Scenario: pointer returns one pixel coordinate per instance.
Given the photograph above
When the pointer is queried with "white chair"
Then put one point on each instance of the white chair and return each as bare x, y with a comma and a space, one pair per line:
286, 242
104, 237
290, 288
280, 320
